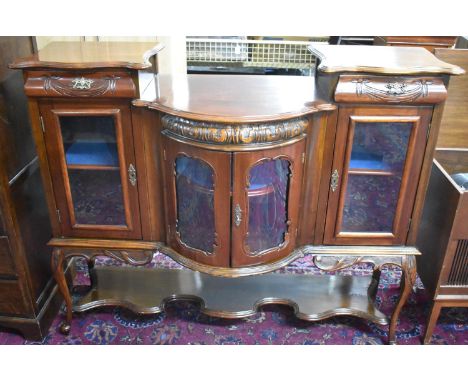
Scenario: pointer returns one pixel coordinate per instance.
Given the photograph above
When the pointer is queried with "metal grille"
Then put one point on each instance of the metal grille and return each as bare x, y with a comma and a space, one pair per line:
459, 272
251, 53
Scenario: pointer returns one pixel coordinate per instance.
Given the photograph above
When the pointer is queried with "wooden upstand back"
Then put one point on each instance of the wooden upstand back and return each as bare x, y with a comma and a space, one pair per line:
235, 176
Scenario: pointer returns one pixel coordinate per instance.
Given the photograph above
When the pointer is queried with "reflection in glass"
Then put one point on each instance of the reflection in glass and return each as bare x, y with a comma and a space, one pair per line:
89, 140
371, 199
380, 145
195, 203
267, 201
97, 197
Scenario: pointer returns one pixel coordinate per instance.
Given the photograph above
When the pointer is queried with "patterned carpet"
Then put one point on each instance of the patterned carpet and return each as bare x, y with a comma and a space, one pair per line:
182, 323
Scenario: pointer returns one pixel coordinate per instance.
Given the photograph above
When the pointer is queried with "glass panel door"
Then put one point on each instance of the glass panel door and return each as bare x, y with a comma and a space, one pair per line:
198, 195
94, 172
265, 203
375, 175
93, 167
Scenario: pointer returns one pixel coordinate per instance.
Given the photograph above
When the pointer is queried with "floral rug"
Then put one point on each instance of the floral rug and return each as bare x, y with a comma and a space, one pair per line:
182, 322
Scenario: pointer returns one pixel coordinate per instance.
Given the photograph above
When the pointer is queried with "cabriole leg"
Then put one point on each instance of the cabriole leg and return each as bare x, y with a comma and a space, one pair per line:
408, 277
57, 263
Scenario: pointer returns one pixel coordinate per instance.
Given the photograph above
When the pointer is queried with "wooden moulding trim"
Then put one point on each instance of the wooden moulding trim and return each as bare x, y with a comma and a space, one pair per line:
229, 272
392, 90
104, 244
380, 251
308, 109
33, 62
234, 134
354, 250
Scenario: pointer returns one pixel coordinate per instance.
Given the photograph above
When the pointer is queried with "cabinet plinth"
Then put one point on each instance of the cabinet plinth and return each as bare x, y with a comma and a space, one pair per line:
234, 177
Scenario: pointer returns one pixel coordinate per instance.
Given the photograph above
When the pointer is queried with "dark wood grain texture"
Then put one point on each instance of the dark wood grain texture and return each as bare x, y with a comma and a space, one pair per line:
236, 99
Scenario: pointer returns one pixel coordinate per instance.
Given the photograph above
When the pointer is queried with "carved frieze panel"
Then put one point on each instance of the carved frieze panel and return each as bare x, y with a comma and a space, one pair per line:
80, 86
373, 89
234, 134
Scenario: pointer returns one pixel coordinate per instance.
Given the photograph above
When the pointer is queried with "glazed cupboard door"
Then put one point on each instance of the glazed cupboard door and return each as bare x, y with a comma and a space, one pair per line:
92, 162
265, 203
376, 167
198, 189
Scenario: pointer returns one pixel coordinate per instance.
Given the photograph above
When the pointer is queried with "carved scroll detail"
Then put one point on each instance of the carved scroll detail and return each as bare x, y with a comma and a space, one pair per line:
398, 91
234, 134
81, 87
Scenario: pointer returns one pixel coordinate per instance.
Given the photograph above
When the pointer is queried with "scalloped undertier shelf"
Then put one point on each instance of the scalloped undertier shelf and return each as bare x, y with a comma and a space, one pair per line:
313, 298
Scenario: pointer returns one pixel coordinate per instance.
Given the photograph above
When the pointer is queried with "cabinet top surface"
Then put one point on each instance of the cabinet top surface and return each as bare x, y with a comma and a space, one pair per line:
235, 98
91, 55
380, 60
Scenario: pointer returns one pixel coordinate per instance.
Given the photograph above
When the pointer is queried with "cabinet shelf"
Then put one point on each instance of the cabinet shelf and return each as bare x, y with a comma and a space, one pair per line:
365, 171
146, 291
92, 153
92, 167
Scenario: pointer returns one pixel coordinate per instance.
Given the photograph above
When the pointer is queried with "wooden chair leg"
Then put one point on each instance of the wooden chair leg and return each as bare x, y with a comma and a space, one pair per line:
57, 263
431, 323
408, 277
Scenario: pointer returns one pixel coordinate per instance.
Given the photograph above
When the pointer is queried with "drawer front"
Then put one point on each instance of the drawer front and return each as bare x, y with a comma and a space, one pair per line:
11, 300
6, 261
81, 85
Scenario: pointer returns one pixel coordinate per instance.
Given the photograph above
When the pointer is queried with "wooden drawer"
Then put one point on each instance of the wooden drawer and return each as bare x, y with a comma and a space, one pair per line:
81, 85
6, 262
11, 300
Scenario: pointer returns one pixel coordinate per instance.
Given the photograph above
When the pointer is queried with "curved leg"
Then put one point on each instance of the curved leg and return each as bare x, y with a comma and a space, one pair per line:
431, 323
408, 277
57, 263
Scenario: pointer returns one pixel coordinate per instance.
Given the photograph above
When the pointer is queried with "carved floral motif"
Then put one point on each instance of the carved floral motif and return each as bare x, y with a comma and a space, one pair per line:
234, 134
396, 91
81, 87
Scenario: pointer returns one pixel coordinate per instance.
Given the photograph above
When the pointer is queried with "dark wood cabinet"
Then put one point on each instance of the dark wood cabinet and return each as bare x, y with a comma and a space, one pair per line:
235, 176
377, 162
29, 297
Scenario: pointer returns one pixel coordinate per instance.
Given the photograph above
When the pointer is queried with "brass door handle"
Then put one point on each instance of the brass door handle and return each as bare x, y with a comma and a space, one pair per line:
132, 176
334, 180
237, 215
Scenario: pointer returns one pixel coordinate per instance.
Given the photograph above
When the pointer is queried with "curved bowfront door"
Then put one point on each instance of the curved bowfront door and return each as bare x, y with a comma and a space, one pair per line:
232, 209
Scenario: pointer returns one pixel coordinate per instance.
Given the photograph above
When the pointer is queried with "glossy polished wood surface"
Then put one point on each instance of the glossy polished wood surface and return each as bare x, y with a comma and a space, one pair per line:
380, 59
236, 98
90, 55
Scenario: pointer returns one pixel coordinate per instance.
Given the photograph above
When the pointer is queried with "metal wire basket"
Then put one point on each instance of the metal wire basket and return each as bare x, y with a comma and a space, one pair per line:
251, 53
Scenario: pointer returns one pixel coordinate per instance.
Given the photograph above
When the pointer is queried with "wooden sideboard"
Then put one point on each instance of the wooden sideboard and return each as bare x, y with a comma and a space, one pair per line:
235, 176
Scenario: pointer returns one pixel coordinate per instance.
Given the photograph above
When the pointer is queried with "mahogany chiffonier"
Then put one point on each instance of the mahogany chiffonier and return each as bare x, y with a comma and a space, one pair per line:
235, 176
29, 297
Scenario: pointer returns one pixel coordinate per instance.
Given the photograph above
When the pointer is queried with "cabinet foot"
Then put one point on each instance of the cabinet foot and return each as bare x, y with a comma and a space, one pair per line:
65, 328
